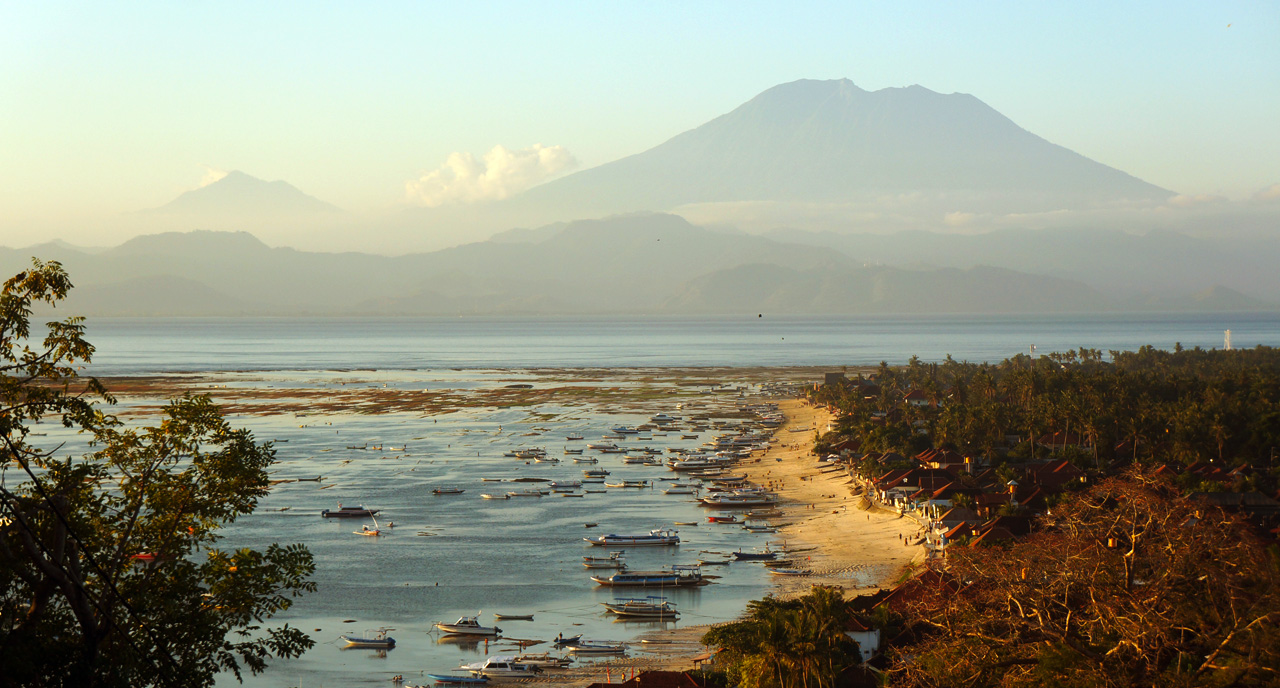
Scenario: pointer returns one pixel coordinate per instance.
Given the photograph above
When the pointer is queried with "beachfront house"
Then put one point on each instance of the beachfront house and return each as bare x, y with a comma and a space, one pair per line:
867, 637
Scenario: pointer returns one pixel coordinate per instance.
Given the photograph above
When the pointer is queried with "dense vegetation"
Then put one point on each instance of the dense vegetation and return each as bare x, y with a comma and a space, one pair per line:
1127, 584
1146, 407
109, 570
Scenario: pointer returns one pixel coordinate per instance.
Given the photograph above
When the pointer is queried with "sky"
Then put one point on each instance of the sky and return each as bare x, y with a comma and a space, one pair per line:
107, 108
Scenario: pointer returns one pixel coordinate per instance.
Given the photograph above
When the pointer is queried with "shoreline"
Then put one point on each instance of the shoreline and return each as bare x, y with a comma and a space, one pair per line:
858, 551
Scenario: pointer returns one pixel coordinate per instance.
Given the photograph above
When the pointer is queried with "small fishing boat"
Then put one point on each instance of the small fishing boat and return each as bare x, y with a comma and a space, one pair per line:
643, 608
739, 499
755, 556
544, 660
456, 680
366, 531
447, 490
562, 484
586, 459
762, 528
525, 493
595, 473
789, 572
348, 512
597, 647
467, 625
684, 523
572, 494
513, 617
501, 666
604, 447
574, 436
629, 483
679, 490
723, 519
676, 575
378, 640
656, 537
573, 451
713, 562
615, 560
491, 480
562, 641
493, 496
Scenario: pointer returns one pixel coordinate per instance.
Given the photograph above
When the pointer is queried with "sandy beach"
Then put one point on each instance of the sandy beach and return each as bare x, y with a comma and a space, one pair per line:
822, 524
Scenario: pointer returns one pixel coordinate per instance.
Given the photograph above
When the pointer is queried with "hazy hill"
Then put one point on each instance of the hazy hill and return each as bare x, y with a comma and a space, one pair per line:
647, 263
830, 141
241, 195
1162, 263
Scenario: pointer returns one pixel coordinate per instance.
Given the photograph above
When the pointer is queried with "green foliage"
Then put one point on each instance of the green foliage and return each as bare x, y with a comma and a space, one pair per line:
782, 644
110, 573
1146, 406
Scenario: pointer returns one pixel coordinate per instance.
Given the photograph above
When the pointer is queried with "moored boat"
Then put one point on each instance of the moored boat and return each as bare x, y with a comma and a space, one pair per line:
378, 640
457, 680
467, 625
447, 489
644, 608
653, 538
615, 560
677, 575
501, 666
348, 512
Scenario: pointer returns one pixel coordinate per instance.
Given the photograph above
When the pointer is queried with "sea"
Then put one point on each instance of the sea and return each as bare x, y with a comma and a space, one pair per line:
140, 346
447, 556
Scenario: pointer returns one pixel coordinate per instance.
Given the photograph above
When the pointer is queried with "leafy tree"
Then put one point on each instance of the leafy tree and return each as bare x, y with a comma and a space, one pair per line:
109, 570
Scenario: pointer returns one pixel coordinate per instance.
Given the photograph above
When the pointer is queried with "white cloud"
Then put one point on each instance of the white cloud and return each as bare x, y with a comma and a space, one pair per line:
211, 175
1190, 201
501, 173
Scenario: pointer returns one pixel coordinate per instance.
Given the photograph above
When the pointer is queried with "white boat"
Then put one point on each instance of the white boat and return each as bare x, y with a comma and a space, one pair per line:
570, 484
657, 537
629, 483
587, 459
597, 647
378, 640
467, 625
493, 496
643, 608
679, 490
501, 666
677, 575
789, 572
615, 560
624, 430
739, 499
603, 446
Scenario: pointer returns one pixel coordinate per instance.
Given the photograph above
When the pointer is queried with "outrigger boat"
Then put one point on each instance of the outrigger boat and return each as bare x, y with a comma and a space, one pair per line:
513, 617
544, 660
677, 575
467, 625
597, 647
501, 666
654, 538
379, 640
443, 490
348, 512
615, 560
455, 680
644, 608
375, 532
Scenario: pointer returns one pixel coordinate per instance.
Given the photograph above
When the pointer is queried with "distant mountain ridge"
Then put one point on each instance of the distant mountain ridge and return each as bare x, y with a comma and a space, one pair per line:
635, 264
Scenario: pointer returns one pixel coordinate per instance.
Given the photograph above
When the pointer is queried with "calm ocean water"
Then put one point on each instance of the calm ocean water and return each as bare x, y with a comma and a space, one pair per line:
140, 346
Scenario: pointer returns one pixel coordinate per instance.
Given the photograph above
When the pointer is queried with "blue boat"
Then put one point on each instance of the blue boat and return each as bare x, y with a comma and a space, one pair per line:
454, 679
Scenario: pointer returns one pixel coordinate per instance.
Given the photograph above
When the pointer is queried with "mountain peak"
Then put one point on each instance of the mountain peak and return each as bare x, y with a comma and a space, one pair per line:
238, 194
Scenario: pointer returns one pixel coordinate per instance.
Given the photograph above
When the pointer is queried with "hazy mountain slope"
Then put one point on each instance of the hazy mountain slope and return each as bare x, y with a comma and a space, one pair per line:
832, 141
1159, 262
239, 194
776, 289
